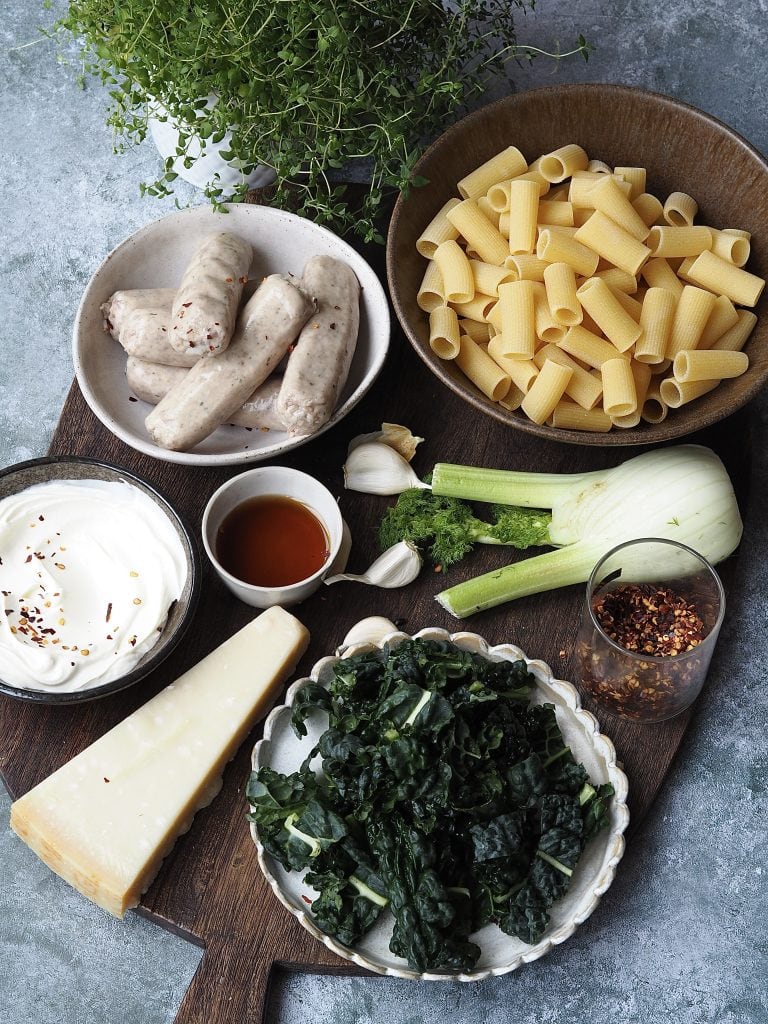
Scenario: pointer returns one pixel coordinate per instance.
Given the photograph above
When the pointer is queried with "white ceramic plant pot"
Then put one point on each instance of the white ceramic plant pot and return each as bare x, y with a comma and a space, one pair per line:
208, 167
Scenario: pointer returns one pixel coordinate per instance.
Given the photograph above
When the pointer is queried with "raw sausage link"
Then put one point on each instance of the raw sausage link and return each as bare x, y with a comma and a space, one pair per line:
318, 367
140, 320
205, 308
216, 387
151, 382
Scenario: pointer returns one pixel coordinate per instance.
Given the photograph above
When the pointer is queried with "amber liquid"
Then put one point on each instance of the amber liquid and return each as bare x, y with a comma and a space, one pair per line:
272, 541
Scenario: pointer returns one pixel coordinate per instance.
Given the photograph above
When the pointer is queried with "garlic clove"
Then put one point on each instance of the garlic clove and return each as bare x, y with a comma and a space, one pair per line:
392, 434
368, 631
375, 468
397, 567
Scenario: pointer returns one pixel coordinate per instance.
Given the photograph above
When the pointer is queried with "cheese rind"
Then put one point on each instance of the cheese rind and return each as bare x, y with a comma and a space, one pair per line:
105, 820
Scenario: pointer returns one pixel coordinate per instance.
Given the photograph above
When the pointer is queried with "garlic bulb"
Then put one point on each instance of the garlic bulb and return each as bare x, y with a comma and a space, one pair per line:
368, 631
393, 434
375, 468
397, 567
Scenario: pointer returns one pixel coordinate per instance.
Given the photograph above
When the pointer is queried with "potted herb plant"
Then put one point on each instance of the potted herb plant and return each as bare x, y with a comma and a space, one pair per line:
305, 87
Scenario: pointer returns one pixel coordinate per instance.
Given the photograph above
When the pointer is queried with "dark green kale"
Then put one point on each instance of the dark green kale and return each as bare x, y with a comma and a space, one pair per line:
446, 797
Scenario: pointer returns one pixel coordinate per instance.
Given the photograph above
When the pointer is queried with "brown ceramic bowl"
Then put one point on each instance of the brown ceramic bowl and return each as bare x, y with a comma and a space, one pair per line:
683, 150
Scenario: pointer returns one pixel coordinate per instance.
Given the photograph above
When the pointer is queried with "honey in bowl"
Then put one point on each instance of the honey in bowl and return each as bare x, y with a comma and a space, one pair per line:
272, 541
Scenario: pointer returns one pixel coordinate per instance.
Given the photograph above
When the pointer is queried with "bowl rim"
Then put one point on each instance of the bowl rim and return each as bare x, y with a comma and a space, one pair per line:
151, 660
571, 702
660, 432
379, 350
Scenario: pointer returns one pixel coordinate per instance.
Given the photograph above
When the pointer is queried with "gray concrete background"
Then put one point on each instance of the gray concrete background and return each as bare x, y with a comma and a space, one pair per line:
682, 934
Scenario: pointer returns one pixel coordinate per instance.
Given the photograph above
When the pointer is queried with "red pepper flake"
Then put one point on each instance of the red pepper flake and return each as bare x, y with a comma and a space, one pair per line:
132, 641
109, 612
106, 779
243, 280
60, 565
186, 305
332, 326
132, 399
229, 280
307, 899
27, 559
41, 519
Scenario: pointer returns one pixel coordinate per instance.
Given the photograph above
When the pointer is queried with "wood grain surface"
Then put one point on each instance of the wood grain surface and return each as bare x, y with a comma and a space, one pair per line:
210, 889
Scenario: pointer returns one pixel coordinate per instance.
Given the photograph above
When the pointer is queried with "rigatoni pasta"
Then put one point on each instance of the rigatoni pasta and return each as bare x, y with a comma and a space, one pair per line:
592, 309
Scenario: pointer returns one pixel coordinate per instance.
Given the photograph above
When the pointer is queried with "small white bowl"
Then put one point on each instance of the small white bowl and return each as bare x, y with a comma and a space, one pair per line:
155, 257
287, 483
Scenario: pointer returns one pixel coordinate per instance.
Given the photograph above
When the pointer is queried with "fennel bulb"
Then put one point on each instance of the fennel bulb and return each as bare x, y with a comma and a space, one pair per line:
682, 494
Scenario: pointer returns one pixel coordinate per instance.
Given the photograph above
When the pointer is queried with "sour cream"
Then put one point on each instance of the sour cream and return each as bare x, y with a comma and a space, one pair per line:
88, 572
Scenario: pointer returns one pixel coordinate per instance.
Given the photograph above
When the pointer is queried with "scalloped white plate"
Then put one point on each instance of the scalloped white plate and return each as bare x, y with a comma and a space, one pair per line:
282, 750
155, 257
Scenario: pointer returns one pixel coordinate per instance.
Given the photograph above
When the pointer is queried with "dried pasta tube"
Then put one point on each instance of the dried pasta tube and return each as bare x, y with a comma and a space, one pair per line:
503, 224
534, 174
618, 280
438, 230
656, 319
546, 391
478, 232
654, 410
444, 332
709, 365
657, 273
455, 271
671, 242
431, 293
613, 243
674, 393
513, 398
477, 330
516, 313
506, 164
641, 374
626, 422
619, 395
680, 209
648, 207
587, 347
736, 338
478, 308
555, 247
527, 268
722, 318
487, 277
498, 198
547, 328
609, 199
560, 284
598, 167
608, 313
205, 308
585, 388
728, 246
630, 304
562, 162
523, 211
522, 372
488, 211
636, 176
684, 267
569, 416
556, 212
693, 310
582, 183
484, 373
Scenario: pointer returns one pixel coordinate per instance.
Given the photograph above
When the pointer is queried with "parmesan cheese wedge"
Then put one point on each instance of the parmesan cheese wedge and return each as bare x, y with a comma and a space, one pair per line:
105, 820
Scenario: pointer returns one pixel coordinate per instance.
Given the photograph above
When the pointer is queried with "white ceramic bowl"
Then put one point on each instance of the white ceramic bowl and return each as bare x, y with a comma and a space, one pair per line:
155, 256
282, 750
287, 483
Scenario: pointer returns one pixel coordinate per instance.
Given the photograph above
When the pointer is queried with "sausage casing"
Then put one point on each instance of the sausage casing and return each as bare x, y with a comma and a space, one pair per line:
140, 319
217, 386
318, 367
151, 382
204, 310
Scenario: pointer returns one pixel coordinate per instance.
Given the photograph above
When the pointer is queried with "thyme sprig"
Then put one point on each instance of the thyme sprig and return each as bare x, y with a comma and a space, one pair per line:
307, 87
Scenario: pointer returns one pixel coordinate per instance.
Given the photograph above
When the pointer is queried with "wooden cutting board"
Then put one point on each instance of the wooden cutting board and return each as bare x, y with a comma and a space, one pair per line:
210, 889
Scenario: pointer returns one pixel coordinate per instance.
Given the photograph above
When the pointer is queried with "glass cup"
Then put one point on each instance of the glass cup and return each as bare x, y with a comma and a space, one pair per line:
633, 683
